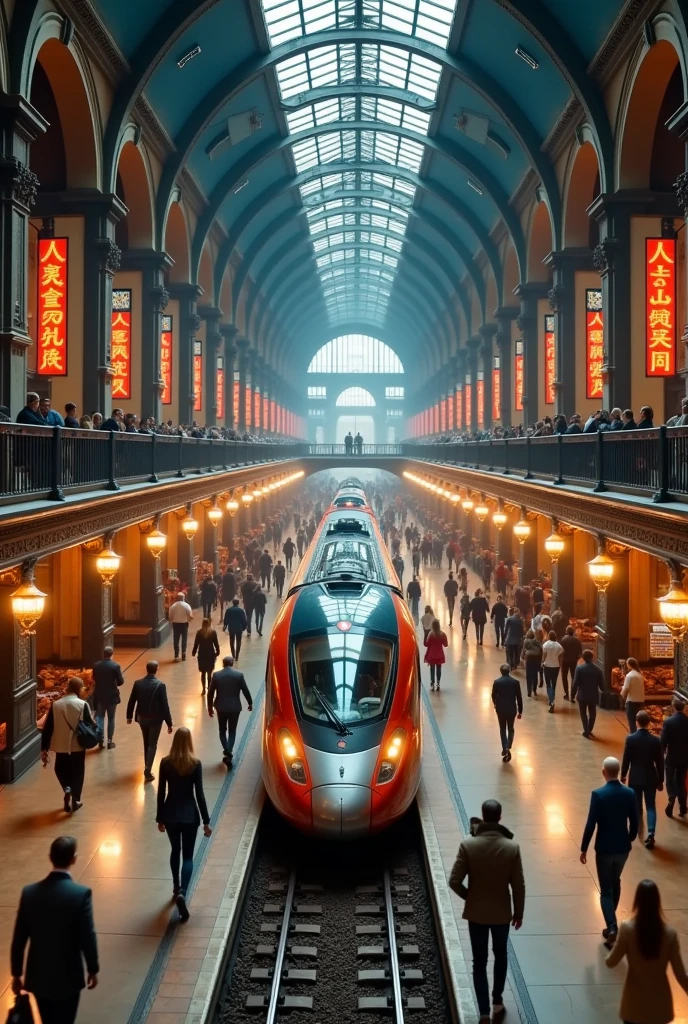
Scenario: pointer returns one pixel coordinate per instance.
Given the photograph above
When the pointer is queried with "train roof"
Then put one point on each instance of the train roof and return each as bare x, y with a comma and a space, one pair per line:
363, 605
347, 548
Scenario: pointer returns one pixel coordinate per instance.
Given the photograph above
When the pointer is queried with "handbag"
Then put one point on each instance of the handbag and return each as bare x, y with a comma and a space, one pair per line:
21, 1012
86, 733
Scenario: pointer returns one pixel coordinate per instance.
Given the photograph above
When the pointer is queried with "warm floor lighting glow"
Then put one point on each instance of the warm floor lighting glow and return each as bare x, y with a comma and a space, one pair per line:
111, 848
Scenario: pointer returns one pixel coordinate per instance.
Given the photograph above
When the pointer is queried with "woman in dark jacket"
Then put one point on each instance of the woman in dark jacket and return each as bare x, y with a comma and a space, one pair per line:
208, 649
532, 655
647, 417
180, 799
479, 609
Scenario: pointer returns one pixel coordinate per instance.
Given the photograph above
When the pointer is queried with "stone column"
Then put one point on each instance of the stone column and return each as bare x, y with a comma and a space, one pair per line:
613, 623
563, 573
189, 324
229, 333
20, 741
243, 346
487, 333
472, 347
97, 626
562, 302
21, 125
213, 348
505, 316
527, 324
154, 298
151, 600
185, 557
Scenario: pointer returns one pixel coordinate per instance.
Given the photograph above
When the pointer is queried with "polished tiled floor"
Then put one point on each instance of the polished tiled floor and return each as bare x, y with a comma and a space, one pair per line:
559, 973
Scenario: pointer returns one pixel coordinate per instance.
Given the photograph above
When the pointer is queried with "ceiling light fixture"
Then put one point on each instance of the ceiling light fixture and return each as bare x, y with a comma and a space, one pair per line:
472, 184
242, 184
193, 52
525, 56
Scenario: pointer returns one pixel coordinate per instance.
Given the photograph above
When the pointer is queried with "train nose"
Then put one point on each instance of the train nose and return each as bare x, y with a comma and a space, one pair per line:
341, 812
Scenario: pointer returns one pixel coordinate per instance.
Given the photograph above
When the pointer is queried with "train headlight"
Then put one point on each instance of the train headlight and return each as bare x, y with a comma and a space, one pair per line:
291, 755
391, 757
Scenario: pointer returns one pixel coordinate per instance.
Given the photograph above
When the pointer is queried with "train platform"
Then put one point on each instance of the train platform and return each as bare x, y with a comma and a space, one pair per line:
154, 970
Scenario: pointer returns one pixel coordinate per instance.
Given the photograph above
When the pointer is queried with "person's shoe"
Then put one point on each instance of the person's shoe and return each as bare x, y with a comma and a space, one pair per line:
498, 1011
508, 755
485, 1017
176, 657
504, 755
669, 809
438, 687
432, 686
610, 937
148, 777
586, 734
111, 745
68, 800
182, 907
650, 841
183, 657
551, 709
76, 804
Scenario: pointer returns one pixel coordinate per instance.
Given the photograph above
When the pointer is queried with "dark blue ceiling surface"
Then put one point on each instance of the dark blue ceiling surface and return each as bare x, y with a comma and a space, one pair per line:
458, 179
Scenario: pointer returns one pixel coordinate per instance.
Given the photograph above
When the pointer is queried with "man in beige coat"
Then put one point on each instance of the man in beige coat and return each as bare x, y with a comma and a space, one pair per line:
491, 862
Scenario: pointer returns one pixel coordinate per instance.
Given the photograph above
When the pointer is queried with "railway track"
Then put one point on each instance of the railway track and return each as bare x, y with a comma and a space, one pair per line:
336, 932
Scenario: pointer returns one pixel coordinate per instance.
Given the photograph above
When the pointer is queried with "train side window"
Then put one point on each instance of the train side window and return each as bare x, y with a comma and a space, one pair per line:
271, 696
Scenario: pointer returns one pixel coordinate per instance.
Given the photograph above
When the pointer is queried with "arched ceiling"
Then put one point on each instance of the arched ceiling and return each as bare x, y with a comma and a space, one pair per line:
359, 152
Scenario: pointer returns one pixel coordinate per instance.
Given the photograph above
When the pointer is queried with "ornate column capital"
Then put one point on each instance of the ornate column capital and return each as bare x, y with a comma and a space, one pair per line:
506, 312
184, 291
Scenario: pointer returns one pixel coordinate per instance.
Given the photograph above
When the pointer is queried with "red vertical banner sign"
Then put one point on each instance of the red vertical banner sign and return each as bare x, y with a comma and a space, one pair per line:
459, 408
273, 419
51, 358
266, 413
436, 418
120, 343
198, 376
248, 393
594, 343
443, 414
166, 360
518, 376
451, 411
256, 408
481, 399
468, 402
660, 260
550, 359
220, 389
235, 399
496, 389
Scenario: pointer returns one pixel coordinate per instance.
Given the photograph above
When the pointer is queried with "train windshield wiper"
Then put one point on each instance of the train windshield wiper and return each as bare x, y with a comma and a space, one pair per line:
331, 713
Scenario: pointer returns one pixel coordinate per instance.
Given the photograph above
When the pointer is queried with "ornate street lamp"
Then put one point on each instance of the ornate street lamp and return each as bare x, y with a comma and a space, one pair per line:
522, 530
28, 604
601, 569
467, 505
257, 493
554, 546
190, 527
107, 564
499, 518
215, 515
232, 506
481, 512
156, 542
247, 497
455, 498
673, 608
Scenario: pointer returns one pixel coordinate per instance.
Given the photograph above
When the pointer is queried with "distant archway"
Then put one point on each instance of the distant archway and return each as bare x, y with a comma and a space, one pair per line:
355, 353
355, 398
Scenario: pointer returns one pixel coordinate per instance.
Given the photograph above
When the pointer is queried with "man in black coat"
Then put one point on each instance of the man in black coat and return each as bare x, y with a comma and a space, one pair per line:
451, 590
513, 637
573, 652
499, 614
248, 589
674, 740
644, 758
508, 703
279, 573
55, 917
265, 566
228, 589
114, 422
588, 683
224, 696
235, 623
107, 679
30, 414
149, 700
260, 601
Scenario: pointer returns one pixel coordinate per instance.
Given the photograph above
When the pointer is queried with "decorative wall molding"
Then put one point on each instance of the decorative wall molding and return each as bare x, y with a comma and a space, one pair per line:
525, 190
95, 38
153, 132
622, 35
564, 128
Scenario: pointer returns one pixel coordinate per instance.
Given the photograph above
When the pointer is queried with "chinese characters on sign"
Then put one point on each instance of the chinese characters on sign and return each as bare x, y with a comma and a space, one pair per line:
120, 343
518, 376
51, 358
496, 390
594, 343
467, 398
256, 408
660, 259
220, 389
166, 359
481, 400
443, 414
459, 408
236, 398
248, 398
198, 376
549, 359
266, 413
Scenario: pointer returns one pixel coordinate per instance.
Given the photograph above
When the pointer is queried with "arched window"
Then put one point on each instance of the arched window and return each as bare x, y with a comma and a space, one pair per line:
355, 353
355, 397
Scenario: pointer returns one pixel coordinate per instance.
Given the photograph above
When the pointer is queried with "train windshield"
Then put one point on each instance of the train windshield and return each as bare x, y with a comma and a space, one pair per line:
350, 670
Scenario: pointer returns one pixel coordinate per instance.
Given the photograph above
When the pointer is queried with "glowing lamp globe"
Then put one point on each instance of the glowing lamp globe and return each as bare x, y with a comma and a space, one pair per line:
499, 519
481, 512
215, 515
156, 542
467, 505
107, 564
257, 493
601, 570
28, 603
190, 527
522, 531
456, 498
232, 507
247, 497
673, 608
554, 546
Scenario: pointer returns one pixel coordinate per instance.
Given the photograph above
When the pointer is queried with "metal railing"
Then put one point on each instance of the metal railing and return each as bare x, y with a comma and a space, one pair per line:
650, 461
355, 453
47, 462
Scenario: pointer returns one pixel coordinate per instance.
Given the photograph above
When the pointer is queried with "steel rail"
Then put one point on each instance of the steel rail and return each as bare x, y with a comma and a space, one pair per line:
394, 968
281, 951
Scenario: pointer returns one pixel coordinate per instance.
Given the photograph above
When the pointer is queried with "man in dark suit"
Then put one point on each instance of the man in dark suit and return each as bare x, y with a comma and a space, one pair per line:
224, 696
614, 813
588, 682
107, 679
674, 740
56, 918
248, 589
508, 702
643, 756
148, 701
513, 638
235, 623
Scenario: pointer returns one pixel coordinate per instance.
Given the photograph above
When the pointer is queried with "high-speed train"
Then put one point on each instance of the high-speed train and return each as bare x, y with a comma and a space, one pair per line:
341, 739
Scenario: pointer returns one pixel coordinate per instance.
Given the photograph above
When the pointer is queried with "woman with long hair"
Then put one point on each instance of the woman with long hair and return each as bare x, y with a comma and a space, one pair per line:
208, 648
181, 808
426, 621
649, 945
435, 642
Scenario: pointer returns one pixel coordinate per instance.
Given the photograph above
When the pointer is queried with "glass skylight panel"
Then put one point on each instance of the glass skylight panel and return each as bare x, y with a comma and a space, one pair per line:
290, 19
390, 65
330, 148
315, 192
374, 108
322, 112
325, 65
